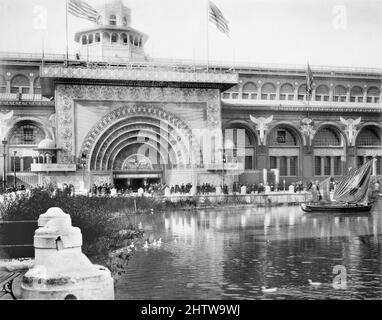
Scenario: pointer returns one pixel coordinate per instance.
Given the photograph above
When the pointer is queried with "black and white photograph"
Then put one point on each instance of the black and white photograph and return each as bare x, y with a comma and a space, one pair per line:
205, 152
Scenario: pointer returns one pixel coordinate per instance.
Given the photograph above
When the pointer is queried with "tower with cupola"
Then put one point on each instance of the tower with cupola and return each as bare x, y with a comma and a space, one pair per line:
111, 37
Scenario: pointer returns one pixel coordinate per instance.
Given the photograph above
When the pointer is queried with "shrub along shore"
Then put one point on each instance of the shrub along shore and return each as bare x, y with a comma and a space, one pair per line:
107, 223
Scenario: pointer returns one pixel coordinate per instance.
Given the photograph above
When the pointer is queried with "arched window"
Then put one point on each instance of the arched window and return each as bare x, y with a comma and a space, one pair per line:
281, 136
20, 84
97, 37
268, 91
356, 94
286, 92
113, 20
339, 94
91, 38
249, 91
114, 38
27, 134
322, 93
136, 41
124, 21
373, 94
84, 39
37, 86
124, 38
3, 85
302, 92
327, 137
106, 38
368, 137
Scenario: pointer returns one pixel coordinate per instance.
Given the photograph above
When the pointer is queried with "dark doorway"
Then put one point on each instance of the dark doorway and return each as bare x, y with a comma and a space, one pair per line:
134, 185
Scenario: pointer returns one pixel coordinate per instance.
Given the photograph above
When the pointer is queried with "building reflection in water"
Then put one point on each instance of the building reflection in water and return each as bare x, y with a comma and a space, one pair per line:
234, 252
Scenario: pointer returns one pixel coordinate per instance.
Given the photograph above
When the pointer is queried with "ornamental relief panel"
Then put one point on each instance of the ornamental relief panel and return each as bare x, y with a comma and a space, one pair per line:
67, 94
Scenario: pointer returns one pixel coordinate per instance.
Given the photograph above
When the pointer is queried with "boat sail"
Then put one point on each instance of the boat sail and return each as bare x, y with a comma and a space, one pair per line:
353, 187
350, 194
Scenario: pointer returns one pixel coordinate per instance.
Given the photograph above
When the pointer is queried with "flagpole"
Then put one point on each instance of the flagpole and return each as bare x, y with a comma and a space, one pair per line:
207, 34
66, 21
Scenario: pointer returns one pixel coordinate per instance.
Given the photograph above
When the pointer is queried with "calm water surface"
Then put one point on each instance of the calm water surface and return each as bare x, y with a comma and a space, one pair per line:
230, 254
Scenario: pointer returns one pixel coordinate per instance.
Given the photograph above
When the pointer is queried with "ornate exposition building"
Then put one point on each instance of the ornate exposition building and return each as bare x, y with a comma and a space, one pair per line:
111, 114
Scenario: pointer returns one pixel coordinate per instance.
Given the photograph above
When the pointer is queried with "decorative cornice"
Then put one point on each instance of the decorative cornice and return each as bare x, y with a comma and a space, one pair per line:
26, 103
138, 74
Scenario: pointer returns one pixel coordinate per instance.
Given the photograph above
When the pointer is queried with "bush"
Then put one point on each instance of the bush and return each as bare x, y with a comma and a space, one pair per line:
103, 230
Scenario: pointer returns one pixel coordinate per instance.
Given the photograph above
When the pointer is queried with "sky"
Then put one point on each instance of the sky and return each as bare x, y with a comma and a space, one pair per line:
323, 32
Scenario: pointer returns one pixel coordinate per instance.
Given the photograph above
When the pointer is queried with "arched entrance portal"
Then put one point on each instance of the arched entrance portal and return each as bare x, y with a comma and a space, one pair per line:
138, 144
368, 146
329, 151
284, 150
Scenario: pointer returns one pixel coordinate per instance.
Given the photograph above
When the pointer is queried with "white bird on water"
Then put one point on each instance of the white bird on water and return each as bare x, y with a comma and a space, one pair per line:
314, 283
269, 290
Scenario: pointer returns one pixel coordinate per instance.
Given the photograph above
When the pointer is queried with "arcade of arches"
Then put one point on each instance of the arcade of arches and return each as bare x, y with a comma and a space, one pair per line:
331, 155
133, 150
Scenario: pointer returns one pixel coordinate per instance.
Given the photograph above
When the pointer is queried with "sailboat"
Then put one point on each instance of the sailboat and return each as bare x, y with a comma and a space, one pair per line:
350, 194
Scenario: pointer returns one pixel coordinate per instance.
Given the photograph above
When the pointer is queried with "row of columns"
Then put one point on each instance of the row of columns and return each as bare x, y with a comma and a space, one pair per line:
332, 165
288, 165
136, 41
42, 158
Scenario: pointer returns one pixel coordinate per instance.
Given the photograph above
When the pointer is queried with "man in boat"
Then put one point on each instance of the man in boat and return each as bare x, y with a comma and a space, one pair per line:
315, 192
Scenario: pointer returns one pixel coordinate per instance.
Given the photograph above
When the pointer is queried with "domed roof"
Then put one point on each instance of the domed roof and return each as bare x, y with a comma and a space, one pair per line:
47, 144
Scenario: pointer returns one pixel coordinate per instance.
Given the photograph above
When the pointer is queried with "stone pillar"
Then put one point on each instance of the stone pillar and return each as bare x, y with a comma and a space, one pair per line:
61, 270
331, 92
241, 92
21, 164
48, 158
374, 166
259, 92
364, 95
277, 93
322, 166
278, 163
348, 95
295, 94
288, 166
332, 166
364, 159
313, 94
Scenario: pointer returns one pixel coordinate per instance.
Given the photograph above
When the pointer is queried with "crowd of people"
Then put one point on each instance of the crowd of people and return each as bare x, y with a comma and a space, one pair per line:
12, 189
108, 189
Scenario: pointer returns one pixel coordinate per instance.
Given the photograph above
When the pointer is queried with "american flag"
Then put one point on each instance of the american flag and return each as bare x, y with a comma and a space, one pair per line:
354, 186
309, 80
82, 10
216, 16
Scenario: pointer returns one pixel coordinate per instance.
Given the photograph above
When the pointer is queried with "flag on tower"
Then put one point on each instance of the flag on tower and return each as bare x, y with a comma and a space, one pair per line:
216, 16
309, 80
82, 10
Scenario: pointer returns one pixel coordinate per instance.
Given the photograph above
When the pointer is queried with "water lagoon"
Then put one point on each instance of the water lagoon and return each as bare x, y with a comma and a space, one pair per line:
232, 253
